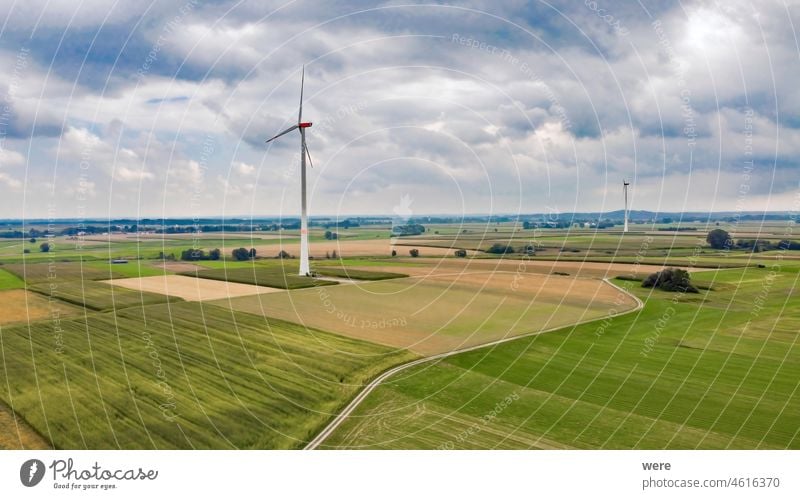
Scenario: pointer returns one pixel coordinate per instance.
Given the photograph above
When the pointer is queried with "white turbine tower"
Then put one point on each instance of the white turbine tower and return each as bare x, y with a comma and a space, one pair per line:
304, 267
625, 185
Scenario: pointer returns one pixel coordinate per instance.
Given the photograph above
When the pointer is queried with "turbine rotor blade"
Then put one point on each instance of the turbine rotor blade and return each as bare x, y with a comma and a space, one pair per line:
284, 132
302, 80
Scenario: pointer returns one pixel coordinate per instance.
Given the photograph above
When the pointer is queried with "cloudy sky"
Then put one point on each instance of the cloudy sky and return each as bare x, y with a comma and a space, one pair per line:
161, 109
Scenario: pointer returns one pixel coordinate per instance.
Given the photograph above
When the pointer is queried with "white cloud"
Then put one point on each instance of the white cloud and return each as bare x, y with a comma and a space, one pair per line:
244, 169
398, 106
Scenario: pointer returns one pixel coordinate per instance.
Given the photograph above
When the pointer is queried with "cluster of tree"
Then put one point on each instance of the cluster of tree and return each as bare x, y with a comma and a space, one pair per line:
758, 245
329, 255
408, 230
720, 239
13, 234
345, 224
164, 256
461, 253
86, 229
331, 235
194, 255
754, 245
282, 254
670, 279
500, 249
550, 224
190, 229
242, 254
414, 252
788, 245
676, 229
18, 234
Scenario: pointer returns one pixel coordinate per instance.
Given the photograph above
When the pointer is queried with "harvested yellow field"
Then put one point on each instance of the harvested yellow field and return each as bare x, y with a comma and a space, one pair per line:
24, 306
15, 433
191, 288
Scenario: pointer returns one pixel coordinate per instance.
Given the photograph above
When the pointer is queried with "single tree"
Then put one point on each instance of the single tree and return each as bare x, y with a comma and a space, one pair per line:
44, 247
719, 239
240, 254
461, 253
414, 252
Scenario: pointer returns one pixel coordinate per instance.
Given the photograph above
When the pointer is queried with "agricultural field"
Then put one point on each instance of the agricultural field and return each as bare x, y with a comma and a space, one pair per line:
353, 248
10, 281
21, 306
97, 295
15, 433
693, 371
420, 267
163, 353
350, 272
442, 312
259, 275
190, 288
181, 376
642, 244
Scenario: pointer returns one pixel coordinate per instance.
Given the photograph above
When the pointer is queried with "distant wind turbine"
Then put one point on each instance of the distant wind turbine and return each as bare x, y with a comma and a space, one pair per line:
304, 267
625, 185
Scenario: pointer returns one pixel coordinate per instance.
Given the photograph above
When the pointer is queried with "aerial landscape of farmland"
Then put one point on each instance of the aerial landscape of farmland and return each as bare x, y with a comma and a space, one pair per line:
302, 248
155, 352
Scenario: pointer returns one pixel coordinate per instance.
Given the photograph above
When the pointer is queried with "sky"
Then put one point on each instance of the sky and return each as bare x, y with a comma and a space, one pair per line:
161, 109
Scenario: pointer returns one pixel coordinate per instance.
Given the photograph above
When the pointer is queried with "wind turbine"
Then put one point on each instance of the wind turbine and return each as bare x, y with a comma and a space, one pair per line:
625, 185
301, 126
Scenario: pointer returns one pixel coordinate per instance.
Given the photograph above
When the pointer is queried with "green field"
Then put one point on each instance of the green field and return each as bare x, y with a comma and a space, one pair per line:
78, 283
135, 268
260, 275
90, 365
182, 376
96, 295
10, 281
344, 272
58, 271
717, 373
